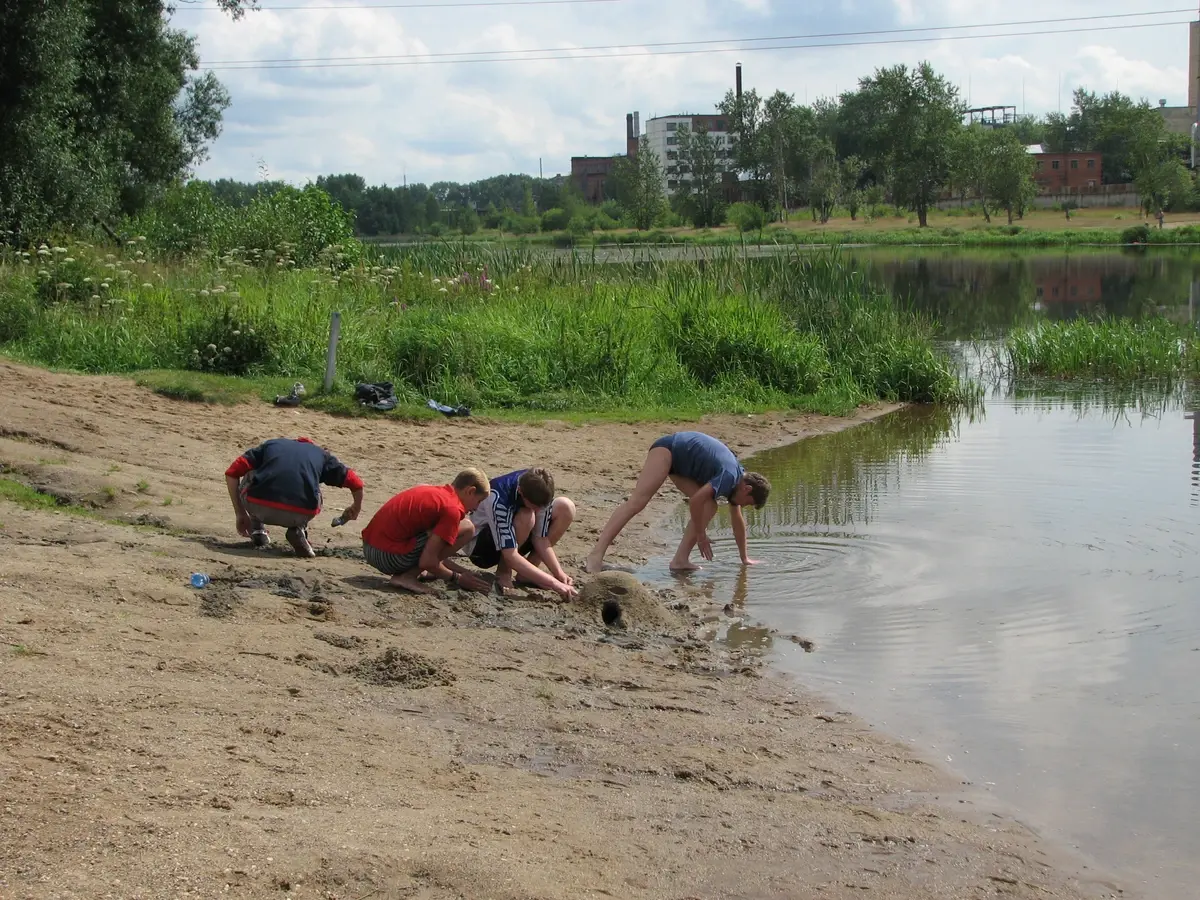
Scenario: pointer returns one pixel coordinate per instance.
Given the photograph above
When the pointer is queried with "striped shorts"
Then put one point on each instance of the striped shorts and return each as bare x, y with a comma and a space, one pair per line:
394, 563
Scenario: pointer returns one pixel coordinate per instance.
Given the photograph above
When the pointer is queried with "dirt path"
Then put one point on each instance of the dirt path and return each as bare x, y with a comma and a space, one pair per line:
294, 730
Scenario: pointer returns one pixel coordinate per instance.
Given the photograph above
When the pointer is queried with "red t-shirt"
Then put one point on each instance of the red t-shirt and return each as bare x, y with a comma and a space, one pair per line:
426, 507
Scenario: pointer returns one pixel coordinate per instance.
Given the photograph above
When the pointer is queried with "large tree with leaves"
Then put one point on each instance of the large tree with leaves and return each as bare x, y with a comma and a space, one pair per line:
102, 108
700, 194
639, 180
911, 117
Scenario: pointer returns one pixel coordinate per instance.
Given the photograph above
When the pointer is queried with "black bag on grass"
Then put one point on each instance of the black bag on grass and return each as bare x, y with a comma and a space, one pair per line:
381, 396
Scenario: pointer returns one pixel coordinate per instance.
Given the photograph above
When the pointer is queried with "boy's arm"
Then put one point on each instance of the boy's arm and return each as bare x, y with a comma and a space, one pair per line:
354, 484
336, 474
233, 482
738, 523
545, 550
523, 568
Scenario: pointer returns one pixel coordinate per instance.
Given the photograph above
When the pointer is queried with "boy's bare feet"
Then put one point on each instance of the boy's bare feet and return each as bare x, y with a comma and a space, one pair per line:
594, 563
409, 581
686, 566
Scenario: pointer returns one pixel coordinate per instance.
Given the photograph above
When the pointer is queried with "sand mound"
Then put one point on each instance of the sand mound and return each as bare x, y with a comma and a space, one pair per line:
637, 605
399, 667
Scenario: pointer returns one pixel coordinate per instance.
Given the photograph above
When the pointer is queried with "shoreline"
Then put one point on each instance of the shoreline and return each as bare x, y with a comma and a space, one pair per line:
162, 740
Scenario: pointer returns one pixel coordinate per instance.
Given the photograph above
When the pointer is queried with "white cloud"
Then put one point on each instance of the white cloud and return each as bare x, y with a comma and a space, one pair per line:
467, 121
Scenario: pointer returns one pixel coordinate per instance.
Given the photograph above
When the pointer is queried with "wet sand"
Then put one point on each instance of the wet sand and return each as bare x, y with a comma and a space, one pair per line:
298, 730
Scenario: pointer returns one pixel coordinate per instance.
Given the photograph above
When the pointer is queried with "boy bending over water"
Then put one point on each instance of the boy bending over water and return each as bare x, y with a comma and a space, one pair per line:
705, 470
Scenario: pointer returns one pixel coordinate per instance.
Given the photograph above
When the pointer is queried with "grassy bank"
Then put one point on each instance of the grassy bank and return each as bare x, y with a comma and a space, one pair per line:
489, 329
1039, 228
1116, 349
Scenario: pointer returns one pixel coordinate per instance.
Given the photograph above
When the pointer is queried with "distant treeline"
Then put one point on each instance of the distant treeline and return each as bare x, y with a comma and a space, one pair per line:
381, 210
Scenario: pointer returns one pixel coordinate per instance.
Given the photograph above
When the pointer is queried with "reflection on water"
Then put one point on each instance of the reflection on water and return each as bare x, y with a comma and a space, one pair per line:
980, 293
1015, 592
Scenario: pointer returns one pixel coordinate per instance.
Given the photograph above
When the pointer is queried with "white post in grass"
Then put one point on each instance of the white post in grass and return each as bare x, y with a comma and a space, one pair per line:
335, 328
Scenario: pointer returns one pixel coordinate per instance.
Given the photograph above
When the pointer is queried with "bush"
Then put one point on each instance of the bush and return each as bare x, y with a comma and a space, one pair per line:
519, 225
747, 217
307, 221
1136, 234
17, 312
227, 345
555, 220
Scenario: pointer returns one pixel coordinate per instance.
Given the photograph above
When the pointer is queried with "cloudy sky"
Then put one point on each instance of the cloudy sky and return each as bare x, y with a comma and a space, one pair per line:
449, 120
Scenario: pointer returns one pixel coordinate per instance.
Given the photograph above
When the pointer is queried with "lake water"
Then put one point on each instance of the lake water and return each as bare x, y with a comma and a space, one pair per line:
1014, 590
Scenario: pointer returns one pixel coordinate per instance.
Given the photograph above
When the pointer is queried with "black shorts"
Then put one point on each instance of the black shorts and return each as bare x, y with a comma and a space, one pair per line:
484, 554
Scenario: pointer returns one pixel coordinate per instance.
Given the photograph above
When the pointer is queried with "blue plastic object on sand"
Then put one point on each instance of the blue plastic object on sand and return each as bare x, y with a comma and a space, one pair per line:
199, 580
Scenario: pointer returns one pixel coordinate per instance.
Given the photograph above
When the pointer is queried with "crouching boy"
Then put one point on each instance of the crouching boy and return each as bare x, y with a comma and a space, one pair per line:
279, 483
516, 528
417, 530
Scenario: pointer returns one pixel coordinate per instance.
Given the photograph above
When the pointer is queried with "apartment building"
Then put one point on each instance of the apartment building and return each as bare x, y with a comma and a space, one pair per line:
662, 136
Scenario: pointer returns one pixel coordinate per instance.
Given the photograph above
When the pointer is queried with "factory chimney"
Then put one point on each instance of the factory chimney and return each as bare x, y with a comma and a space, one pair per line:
738, 82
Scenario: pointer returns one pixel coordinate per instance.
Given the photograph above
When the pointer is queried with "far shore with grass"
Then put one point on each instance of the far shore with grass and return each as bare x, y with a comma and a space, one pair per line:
956, 227
505, 332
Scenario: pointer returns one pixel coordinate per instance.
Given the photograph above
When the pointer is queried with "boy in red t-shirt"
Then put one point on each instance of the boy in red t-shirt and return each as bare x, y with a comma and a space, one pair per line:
418, 529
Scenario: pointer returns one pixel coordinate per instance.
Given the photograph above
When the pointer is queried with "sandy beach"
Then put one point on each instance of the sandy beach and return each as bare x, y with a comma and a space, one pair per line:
296, 729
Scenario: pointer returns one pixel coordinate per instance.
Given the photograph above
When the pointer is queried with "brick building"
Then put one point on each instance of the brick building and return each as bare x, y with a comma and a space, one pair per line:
1065, 172
592, 175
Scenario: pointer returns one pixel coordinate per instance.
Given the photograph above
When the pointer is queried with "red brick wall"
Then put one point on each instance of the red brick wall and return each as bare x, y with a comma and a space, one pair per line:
1068, 171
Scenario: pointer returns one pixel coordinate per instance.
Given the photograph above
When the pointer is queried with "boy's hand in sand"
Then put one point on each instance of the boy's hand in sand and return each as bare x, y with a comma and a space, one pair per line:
243, 524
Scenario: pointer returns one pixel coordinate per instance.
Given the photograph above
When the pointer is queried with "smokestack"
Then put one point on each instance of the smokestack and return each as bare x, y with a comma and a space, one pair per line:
631, 137
738, 89
637, 125
628, 126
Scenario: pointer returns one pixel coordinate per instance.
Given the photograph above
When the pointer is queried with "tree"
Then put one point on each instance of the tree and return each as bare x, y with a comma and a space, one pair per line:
701, 175
433, 211
745, 115
639, 182
1163, 183
852, 192
1009, 169
824, 179
468, 220
1112, 125
100, 109
914, 115
969, 161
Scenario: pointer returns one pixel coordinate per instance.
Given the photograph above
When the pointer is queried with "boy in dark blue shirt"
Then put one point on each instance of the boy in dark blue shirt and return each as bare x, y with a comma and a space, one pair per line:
705, 470
279, 483
516, 528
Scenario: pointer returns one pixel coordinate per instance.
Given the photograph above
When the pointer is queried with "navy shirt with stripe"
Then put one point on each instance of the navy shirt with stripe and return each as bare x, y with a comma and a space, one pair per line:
704, 460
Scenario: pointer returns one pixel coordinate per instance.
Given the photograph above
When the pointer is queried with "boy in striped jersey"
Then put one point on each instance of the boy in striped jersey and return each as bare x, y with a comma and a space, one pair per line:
516, 528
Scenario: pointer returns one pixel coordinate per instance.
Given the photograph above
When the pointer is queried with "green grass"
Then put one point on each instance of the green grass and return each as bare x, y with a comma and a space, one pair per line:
941, 234
30, 498
1115, 349
202, 387
507, 332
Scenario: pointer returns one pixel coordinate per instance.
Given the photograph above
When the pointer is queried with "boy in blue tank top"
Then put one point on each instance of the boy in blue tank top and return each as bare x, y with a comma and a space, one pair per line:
706, 471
